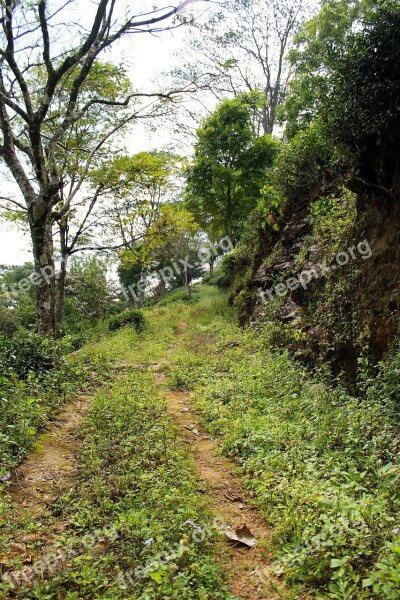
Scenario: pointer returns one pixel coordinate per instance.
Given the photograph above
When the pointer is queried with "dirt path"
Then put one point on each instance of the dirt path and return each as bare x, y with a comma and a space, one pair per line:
247, 568
49, 468
47, 473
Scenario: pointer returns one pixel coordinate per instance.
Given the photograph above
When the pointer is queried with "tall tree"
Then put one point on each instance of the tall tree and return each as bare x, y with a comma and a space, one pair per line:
172, 241
88, 293
228, 169
242, 48
319, 47
364, 104
35, 128
135, 188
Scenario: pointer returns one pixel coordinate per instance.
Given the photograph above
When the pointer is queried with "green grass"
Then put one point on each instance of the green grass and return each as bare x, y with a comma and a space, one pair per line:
28, 399
135, 475
180, 296
322, 466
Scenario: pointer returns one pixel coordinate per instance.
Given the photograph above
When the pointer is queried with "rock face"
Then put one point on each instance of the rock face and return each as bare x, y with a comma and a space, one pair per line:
283, 267
286, 250
343, 311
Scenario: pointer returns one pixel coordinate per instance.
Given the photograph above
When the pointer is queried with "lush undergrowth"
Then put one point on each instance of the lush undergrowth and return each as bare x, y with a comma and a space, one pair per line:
38, 376
137, 481
179, 296
323, 467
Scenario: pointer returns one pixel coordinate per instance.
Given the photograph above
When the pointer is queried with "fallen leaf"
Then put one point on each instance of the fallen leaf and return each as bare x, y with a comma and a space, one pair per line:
241, 535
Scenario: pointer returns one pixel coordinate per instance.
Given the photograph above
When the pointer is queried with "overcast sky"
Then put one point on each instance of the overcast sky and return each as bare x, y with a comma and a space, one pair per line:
147, 58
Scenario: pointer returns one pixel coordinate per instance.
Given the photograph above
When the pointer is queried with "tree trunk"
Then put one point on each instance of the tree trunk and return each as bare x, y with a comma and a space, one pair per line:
143, 280
44, 280
62, 276
60, 295
229, 216
267, 119
185, 280
160, 289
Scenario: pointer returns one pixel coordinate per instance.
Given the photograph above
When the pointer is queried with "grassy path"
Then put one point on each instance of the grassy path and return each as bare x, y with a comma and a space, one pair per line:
49, 469
110, 504
137, 512
247, 571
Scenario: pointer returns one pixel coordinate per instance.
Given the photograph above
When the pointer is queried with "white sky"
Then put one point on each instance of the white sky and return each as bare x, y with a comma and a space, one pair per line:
147, 57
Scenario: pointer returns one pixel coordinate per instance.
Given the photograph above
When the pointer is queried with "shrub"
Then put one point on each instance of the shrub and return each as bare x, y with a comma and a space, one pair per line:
307, 167
134, 318
179, 295
8, 323
222, 276
30, 353
365, 98
76, 340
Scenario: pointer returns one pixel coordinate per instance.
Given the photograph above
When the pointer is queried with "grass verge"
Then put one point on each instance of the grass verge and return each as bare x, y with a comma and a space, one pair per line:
322, 466
37, 378
135, 480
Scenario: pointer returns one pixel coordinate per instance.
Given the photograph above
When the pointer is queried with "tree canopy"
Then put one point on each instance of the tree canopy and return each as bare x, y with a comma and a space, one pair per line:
48, 93
229, 166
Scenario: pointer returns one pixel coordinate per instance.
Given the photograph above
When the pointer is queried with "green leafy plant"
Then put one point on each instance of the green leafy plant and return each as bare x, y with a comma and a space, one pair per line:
132, 318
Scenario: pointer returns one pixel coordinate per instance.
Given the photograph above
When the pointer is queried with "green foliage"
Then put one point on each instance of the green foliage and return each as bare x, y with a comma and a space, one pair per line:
229, 168
140, 190
30, 354
17, 299
220, 277
140, 178
371, 110
384, 581
129, 274
307, 167
171, 235
319, 47
8, 323
333, 219
321, 464
89, 296
179, 295
105, 81
132, 318
346, 75
365, 99
236, 269
270, 206
36, 378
